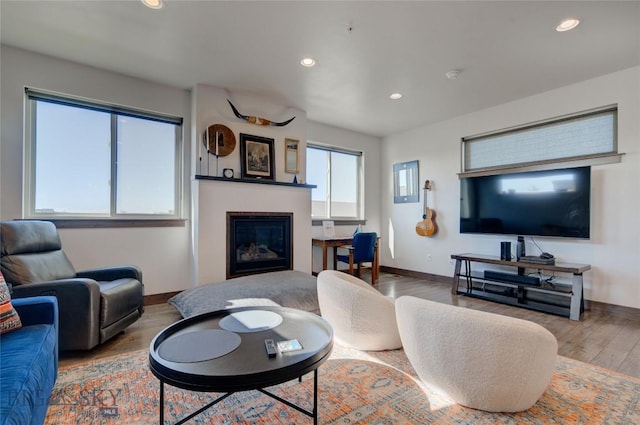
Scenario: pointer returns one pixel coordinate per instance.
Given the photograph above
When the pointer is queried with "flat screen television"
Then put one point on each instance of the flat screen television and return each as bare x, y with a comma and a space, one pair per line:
538, 203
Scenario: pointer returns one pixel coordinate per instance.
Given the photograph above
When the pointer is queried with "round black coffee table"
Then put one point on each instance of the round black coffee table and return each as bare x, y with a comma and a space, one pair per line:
224, 352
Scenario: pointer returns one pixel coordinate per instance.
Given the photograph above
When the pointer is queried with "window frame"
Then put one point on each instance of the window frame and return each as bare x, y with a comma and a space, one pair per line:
360, 219
609, 157
112, 219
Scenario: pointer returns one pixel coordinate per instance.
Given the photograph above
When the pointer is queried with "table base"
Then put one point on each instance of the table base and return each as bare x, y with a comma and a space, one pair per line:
311, 413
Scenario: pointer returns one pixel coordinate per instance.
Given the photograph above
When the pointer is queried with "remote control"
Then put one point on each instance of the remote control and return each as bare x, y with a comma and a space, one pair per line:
270, 346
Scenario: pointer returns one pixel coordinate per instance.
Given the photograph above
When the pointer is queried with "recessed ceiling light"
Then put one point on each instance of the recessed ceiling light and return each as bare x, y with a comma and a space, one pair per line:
567, 24
395, 96
308, 62
153, 4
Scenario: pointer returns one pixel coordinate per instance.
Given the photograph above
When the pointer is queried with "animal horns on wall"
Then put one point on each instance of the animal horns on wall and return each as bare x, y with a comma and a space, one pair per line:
258, 120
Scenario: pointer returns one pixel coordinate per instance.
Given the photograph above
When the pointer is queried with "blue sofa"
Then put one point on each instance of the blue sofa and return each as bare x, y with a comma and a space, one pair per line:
29, 362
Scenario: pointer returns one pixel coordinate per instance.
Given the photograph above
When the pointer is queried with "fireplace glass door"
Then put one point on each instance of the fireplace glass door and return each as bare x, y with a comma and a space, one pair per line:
258, 243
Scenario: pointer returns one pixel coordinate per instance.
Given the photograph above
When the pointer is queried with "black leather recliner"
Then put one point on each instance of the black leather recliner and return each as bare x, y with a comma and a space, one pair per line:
94, 305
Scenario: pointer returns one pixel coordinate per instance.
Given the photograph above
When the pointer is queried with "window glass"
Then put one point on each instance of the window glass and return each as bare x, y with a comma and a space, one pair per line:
146, 171
318, 174
87, 161
336, 174
72, 160
344, 185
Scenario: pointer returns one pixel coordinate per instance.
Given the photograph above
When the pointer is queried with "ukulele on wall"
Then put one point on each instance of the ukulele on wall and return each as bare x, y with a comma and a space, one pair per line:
428, 226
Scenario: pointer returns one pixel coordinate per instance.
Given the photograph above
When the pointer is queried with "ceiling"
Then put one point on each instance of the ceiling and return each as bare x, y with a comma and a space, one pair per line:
365, 50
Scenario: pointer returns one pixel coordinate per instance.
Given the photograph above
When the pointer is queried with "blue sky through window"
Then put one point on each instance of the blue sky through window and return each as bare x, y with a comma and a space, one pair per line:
73, 163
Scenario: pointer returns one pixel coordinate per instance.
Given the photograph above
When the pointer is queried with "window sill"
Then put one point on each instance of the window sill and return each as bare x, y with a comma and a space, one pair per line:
586, 160
347, 222
114, 223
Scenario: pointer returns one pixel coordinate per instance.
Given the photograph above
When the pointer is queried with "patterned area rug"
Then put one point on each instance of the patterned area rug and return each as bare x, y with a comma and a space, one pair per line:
354, 387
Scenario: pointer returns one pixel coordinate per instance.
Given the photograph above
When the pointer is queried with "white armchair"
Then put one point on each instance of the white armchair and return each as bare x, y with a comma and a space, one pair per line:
360, 315
482, 360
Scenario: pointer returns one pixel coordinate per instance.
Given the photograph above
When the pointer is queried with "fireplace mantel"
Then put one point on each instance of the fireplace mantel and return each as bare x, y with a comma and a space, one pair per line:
254, 181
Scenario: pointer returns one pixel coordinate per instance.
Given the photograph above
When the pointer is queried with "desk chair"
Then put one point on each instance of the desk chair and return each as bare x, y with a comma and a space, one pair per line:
361, 250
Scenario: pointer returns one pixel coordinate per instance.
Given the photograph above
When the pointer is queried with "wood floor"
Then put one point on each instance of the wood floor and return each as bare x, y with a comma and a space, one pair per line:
606, 336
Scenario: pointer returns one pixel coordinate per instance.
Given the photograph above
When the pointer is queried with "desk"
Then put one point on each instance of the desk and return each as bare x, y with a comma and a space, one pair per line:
336, 241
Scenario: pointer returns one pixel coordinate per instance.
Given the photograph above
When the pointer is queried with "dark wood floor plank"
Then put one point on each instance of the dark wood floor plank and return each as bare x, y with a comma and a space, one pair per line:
619, 347
631, 365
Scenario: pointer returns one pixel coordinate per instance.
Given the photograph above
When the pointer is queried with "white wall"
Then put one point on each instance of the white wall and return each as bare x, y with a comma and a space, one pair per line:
614, 248
370, 148
210, 106
164, 254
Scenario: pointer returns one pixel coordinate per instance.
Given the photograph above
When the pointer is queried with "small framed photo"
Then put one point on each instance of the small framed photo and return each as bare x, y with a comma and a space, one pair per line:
291, 156
256, 156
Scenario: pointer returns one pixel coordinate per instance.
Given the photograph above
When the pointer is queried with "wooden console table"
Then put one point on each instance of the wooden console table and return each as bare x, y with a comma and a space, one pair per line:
547, 296
336, 241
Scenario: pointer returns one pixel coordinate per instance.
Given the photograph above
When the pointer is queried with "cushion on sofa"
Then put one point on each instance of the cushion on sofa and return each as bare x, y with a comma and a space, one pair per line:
9, 319
32, 252
28, 371
28, 268
119, 298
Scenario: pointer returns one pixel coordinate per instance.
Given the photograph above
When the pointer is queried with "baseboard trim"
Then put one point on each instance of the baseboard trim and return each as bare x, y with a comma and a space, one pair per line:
159, 298
619, 310
417, 275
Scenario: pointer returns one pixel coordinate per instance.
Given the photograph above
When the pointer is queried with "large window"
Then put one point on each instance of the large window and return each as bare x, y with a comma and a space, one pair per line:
86, 160
337, 175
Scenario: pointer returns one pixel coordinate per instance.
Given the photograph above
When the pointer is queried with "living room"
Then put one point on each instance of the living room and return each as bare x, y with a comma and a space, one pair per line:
181, 257
175, 263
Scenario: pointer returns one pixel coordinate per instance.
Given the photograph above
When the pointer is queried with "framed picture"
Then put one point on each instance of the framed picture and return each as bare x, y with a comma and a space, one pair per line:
405, 182
291, 156
256, 156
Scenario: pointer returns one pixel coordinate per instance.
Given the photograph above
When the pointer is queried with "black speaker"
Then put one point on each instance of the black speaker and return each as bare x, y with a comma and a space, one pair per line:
505, 251
520, 249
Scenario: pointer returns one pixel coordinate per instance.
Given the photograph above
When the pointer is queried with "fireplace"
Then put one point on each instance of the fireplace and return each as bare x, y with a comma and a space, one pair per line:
258, 243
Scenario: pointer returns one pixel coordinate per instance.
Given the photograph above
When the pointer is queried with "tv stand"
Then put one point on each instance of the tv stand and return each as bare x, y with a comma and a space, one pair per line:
556, 296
